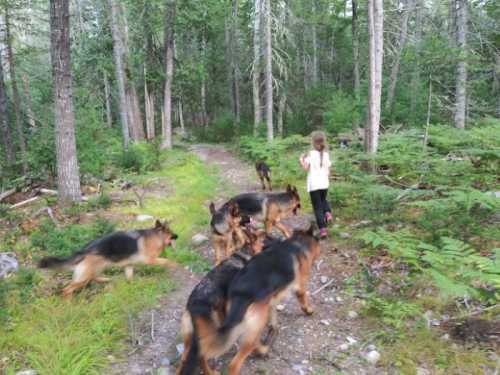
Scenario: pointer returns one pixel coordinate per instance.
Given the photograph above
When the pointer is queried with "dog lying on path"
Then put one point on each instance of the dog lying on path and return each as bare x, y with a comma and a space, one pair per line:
116, 249
206, 305
252, 296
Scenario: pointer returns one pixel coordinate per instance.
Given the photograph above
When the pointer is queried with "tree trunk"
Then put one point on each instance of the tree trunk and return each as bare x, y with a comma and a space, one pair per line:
15, 93
393, 78
268, 58
181, 116
7, 144
415, 77
281, 112
315, 68
355, 59
149, 109
119, 70
375, 56
257, 117
461, 77
496, 83
107, 101
235, 68
134, 114
169, 74
68, 179
203, 86
29, 102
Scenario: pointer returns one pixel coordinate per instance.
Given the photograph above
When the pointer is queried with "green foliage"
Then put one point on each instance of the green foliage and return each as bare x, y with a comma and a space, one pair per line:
140, 157
377, 202
55, 241
454, 266
100, 201
392, 312
341, 113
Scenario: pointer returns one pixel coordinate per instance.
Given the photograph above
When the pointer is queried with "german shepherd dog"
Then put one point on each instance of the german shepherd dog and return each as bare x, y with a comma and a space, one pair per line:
118, 248
269, 207
252, 295
206, 306
227, 234
264, 173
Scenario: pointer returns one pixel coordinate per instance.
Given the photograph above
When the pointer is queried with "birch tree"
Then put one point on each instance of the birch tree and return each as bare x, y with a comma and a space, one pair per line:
268, 71
461, 74
257, 118
166, 142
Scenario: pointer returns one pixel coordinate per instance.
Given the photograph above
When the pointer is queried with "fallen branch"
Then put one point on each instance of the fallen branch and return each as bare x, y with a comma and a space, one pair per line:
322, 287
477, 312
7, 193
23, 203
49, 212
48, 191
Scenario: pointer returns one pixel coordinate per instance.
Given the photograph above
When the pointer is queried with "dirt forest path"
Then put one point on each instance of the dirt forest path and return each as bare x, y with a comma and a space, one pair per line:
326, 343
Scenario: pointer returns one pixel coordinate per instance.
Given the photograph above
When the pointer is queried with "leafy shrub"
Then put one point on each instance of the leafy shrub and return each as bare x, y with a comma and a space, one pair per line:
455, 267
100, 201
342, 111
340, 193
64, 241
140, 157
392, 312
222, 129
378, 202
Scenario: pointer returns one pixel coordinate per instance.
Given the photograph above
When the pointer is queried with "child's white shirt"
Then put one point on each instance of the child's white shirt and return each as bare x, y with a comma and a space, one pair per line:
318, 173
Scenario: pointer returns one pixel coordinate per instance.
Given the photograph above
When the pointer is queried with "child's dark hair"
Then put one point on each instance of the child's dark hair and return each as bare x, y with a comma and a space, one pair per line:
318, 142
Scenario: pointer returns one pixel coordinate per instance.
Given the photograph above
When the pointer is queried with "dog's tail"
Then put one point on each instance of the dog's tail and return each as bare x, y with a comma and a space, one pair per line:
61, 263
228, 333
190, 363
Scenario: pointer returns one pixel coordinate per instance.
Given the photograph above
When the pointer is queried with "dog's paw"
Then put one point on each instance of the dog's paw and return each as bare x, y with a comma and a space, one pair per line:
308, 311
262, 350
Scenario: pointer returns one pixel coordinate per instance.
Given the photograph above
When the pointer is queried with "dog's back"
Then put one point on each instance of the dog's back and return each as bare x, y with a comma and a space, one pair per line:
264, 173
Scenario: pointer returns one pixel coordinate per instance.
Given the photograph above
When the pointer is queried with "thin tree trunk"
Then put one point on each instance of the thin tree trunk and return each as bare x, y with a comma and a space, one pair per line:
393, 78
281, 112
415, 77
203, 87
268, 58
8, 145
315, 68
68, 179
181, 116
29, 102
136, 126
169, 74
15, 93
355, 60
107, 101
149, 108
429, 108
375, 53
461, 77
496, 84
119, 70
257, 118
235, 68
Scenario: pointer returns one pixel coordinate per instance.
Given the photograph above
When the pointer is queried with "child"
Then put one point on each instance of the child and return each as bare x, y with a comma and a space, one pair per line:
317, 164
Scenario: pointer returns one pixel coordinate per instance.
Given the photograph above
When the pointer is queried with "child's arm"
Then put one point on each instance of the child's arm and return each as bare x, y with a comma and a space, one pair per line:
303, 162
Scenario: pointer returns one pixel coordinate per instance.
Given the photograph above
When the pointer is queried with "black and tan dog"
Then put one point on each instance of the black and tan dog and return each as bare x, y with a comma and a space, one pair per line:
268, 207
264, 174
206, 306
252, 296
227, 229
116, 249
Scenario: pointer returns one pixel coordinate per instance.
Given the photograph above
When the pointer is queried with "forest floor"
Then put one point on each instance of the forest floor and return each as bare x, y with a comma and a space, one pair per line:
332, 340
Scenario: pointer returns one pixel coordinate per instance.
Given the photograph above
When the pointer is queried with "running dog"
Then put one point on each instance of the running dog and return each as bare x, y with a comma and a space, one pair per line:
269, 207
116, 249
252, 295
264, 174
206, 305
227, 234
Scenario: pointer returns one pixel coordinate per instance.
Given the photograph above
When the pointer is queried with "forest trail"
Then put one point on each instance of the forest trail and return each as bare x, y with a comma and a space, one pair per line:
325, 343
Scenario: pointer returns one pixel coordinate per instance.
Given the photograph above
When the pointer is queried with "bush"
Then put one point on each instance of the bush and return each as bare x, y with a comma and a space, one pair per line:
378, 202
64, 241
341, 113
140, 157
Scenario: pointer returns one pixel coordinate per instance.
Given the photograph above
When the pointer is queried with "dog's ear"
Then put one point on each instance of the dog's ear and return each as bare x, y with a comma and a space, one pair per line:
294, 189
288, 188
212, 208
158, 224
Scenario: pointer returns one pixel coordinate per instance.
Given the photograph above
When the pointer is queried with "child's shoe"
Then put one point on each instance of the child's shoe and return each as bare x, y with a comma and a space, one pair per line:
322, 233
328, 217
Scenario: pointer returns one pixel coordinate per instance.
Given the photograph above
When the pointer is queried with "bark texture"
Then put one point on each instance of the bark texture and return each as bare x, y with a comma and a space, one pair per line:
169, 74
461, 74
257, 117
268, 58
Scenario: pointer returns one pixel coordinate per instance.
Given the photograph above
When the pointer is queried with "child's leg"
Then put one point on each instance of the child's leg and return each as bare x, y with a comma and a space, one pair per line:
318, 208
324, 201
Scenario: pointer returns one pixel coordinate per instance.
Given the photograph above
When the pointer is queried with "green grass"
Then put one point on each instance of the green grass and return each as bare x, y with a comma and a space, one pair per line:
41, 331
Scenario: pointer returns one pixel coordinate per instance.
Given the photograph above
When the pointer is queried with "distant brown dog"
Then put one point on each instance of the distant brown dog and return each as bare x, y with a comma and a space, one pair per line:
116, 249
264, 173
